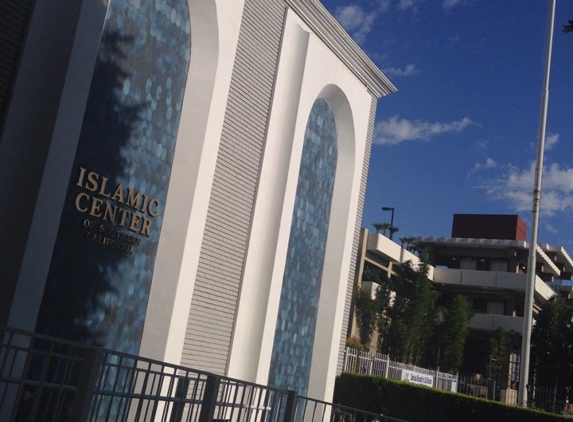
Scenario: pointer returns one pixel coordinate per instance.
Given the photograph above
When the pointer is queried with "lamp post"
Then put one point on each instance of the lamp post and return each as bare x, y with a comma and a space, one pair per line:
391, 219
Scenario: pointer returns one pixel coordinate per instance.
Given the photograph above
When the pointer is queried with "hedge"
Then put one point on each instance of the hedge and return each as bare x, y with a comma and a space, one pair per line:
420, 404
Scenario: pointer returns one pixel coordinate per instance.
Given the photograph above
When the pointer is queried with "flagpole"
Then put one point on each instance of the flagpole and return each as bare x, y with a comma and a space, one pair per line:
530, 287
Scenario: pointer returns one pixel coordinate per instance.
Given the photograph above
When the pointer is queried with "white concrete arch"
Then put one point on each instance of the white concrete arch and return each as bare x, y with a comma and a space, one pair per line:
335, 275
262, 281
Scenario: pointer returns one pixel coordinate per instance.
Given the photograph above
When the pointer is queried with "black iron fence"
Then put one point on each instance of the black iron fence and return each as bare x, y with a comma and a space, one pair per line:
45, 379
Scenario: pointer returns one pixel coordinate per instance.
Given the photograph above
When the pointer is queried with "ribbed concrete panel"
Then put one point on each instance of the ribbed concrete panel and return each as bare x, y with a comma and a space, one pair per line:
14, 18
224, 247
356, 240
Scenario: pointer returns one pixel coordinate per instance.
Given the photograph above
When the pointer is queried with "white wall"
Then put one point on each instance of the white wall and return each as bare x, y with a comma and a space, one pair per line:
324, 76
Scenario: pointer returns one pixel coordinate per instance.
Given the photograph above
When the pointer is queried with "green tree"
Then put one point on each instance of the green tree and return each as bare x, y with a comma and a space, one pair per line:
381, 227
552, 347
392, 230
406, 241
452, 332
497, 361
367, 315
413, 314
370, 311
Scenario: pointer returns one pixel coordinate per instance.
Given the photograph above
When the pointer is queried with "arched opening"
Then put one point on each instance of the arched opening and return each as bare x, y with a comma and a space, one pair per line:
300, 294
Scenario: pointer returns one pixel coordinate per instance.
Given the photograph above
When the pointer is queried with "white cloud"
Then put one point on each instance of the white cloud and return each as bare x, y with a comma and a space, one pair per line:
551, 140
409, 5
409, 70
516, 186
406, 4
488, 164
356, 20
448, 4
396, 129
383, 5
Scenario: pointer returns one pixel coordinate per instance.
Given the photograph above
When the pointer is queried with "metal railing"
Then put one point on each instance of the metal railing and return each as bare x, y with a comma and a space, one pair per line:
378, 364
310, 410
45, 379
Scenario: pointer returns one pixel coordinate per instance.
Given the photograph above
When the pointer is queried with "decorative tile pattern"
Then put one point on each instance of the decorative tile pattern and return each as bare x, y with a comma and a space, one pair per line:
99, 280
296, 323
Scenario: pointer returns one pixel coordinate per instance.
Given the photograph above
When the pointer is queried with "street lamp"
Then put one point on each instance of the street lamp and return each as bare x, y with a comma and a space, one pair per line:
391, 219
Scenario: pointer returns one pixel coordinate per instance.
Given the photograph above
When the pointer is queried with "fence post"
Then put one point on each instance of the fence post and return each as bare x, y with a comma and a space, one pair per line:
290, 411
491, 386
209, 398
345, 364
387, 366
180, 394
86, 384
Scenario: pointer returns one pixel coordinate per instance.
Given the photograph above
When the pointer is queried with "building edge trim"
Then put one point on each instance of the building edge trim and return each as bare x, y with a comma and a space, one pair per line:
323, 24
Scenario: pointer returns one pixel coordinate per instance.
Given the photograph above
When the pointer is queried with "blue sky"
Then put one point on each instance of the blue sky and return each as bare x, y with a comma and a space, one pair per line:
460, 135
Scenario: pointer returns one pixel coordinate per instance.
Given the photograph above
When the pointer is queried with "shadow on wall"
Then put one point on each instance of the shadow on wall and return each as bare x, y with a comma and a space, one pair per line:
80, 278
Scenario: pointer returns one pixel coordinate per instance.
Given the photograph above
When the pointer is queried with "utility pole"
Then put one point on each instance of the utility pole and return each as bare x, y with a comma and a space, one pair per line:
530, 287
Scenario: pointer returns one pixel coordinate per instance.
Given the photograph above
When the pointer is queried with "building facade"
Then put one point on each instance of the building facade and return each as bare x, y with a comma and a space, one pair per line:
488, 266
185, 179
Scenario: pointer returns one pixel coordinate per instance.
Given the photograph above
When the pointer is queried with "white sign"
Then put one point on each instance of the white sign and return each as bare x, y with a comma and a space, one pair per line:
417, 378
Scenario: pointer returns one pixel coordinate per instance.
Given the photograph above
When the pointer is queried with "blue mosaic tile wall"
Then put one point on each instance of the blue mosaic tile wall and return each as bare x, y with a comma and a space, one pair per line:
100, 275
296, 323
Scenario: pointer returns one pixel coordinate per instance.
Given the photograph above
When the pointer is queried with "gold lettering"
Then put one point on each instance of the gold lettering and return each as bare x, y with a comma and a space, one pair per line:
92, 181
110, 212
81, 177
146, 227
102, 191
132, 200
107, 210
124, 213
152, 211
118, 194
78, 199
135, 218
144, 205
95, 211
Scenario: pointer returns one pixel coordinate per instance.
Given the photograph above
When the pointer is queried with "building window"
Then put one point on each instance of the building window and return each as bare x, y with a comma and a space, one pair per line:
499, 266
468, 264
479, 306
497, 308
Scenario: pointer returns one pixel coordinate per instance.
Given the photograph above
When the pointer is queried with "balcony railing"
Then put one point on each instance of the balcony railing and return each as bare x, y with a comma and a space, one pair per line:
490, 280
491, 322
